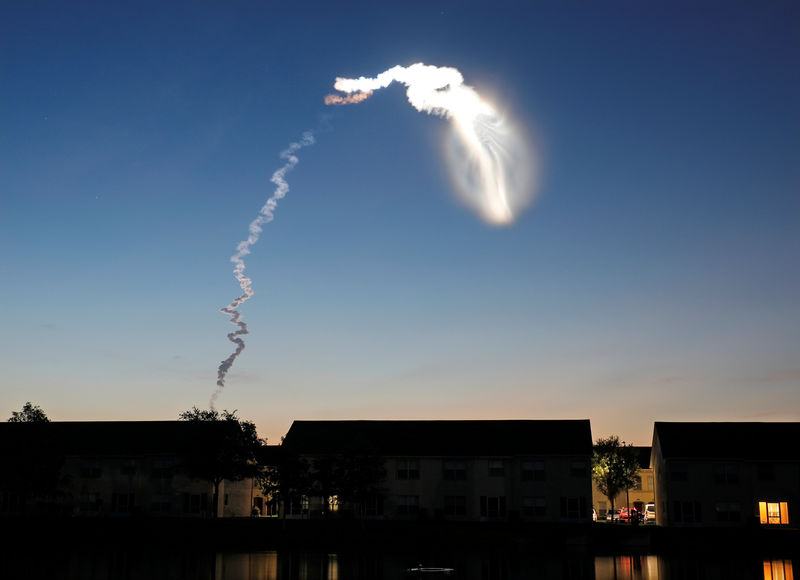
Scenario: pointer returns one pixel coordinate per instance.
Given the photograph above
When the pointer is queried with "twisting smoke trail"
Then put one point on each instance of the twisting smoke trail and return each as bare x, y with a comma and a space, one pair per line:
490, 164
265, 215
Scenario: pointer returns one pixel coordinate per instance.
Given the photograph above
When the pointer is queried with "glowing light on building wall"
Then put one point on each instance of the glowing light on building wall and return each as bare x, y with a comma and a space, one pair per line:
773, 512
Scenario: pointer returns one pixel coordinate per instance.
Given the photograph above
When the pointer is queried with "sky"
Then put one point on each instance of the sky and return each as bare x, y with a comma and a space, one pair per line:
654, 278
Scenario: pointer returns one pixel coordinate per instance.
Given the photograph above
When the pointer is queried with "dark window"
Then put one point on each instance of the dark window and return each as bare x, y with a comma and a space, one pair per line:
161, 469
455, 505
533, 471
407, 469
455, 470
686, 512
161, 504
725, 473
766, 471
91, 469
493, 507
728, 512
573, 508
127, 467
122, 503
678, 472
407, 505
578, 469
497, 468
195, 503
534, 506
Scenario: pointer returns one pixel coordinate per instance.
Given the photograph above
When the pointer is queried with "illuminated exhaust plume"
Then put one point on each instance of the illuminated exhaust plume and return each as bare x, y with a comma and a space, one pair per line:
490, 164
266, 215
348, 100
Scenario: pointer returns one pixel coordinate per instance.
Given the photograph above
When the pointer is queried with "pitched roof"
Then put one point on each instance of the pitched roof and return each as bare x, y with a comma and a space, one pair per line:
743, 440
110, 437
442, 438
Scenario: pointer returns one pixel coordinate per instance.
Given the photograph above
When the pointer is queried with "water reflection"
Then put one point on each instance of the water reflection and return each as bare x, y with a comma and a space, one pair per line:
374, 565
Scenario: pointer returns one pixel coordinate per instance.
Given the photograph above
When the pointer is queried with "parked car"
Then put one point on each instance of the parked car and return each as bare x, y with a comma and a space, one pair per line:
594, 515
650, 513
612, 515
628, 515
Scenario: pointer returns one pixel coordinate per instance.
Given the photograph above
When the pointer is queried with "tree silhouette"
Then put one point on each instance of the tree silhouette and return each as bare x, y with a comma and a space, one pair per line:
615, 467
30, 414
228, 453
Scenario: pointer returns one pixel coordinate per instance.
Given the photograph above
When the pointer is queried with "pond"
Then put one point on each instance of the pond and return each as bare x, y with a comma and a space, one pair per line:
133, 564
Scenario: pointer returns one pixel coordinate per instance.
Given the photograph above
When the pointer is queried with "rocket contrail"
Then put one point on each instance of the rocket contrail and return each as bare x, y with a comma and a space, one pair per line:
490, 163
265, 215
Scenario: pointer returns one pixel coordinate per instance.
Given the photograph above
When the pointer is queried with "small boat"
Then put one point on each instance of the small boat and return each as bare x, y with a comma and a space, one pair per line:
429, 571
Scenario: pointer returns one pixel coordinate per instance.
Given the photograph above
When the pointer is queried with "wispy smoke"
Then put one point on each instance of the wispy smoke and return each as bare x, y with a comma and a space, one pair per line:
490, 163
266, 215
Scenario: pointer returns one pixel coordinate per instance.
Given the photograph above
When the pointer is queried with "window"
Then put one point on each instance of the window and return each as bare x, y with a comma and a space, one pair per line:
578, 469
91, 469
89, 501
297, 505
728, 511
127, 467
407, 505
195, 503
678, 471
765, 471
161, 504
333, 503
373, 506
407, 469
455, 470
497, 468
686, 512
493, 507
161, 468
533, 470
455, 505
773, 512
573, 508
534, 506
121, 503
725, 473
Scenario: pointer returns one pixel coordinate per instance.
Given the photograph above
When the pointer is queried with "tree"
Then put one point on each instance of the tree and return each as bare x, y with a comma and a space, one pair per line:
30, 414
230, 452
615, 467
285, 476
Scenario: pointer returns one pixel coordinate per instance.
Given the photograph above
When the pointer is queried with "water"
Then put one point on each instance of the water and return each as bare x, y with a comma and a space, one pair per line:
133, 564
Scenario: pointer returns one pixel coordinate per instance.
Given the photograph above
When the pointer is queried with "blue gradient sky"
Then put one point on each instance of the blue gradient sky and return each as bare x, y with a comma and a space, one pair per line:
656, 277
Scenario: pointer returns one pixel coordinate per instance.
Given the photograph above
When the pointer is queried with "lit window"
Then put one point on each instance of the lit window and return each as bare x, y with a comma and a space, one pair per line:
773, 512
333, 503
778, 570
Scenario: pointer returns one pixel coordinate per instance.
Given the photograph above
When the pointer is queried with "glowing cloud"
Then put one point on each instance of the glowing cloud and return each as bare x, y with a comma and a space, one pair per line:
491, 165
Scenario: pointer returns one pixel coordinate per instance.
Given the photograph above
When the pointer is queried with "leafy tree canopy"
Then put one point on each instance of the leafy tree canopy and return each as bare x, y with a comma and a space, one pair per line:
30, 414
615, 466
232, 453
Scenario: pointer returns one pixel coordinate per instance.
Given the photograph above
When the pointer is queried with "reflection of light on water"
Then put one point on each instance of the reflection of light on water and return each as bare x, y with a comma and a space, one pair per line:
633, 567
778, 570
333, 567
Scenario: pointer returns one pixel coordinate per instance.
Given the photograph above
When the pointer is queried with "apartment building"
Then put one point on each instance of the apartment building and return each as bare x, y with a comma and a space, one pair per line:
726, 474
538, 471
